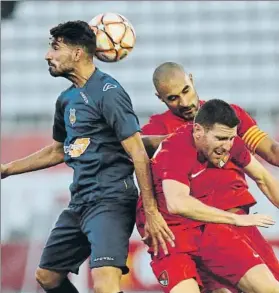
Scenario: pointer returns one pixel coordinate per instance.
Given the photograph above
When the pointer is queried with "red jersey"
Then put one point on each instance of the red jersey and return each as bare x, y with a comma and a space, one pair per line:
178, 160
167, 123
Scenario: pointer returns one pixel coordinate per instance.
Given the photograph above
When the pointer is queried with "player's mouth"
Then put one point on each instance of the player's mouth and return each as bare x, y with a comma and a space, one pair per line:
188, 112
219, 152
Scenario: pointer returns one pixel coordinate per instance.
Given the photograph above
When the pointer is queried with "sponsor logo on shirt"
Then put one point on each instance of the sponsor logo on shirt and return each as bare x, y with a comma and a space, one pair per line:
197, 174
108, 86
164, 279
76, 149
103, 258
72, 116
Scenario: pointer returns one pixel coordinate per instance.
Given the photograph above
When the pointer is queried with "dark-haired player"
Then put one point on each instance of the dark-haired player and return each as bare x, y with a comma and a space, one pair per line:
96, 132
186, 170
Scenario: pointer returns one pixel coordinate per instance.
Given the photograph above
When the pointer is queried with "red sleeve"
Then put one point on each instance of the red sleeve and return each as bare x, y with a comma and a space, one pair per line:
240, 155
173, 160
154, 127
248, 129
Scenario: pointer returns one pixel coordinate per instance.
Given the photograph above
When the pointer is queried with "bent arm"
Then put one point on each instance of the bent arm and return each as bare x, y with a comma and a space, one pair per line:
268, 149
180, 202
47, 157
265, 181
134, 147
152, 142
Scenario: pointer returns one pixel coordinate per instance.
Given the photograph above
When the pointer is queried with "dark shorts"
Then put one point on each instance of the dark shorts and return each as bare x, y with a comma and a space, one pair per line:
100, 230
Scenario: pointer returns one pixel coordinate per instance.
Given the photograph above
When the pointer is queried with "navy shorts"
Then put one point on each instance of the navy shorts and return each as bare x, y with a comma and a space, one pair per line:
100, 230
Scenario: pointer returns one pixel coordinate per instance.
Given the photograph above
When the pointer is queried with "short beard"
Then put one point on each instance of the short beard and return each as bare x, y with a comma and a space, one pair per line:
64, 74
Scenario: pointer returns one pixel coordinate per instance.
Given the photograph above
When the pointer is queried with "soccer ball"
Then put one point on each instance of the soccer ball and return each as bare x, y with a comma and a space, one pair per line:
115, 36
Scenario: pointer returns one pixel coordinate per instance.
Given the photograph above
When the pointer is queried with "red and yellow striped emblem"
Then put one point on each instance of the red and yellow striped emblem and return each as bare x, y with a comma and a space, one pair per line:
252, 137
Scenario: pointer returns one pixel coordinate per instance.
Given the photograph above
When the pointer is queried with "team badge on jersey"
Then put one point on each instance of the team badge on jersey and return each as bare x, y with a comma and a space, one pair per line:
223, 161
72, 116
164, 279
76, 149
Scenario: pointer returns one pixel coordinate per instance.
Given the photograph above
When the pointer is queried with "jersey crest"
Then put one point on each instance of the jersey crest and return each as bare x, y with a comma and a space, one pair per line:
72, 116
164, 279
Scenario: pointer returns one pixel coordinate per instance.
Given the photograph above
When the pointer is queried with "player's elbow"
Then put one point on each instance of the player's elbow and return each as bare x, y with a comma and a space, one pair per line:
274, 154
57, 153
270, 154
273, 159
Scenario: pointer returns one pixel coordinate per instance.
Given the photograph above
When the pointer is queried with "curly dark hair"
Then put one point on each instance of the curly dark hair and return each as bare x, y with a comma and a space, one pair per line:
76, 33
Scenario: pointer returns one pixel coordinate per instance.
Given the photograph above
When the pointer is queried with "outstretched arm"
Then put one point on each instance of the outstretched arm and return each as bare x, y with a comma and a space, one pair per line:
47, 157
180, 202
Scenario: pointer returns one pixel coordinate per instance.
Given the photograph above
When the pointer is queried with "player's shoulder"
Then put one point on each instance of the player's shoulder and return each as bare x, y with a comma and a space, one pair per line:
160, 117
103, 84
237, 108
64, 93
181, 138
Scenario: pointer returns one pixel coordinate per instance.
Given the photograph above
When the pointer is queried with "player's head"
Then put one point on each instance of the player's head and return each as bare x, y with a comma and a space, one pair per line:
71, 44
215, 127
176, 89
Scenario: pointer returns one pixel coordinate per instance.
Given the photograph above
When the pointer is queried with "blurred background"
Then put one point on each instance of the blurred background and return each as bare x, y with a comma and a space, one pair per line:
231, 48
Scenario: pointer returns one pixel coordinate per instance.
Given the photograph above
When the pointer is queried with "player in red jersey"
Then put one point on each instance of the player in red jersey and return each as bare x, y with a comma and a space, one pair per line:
176, 90
187, 164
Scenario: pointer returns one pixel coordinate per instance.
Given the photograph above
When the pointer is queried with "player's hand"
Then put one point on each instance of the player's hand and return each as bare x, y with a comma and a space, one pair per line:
4, 172
157, 232
254, 220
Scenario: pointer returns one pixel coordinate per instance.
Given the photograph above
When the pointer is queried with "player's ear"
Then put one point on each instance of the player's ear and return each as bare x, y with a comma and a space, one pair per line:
77, 54
198, 130
191, 78
157, 95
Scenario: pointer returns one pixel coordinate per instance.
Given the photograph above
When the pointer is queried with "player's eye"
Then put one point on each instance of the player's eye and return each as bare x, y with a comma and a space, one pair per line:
186, 89
172, 98
221, 138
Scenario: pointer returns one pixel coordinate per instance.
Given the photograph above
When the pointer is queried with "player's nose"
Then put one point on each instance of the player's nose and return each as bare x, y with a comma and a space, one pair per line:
48, 56
184, 102
227, 145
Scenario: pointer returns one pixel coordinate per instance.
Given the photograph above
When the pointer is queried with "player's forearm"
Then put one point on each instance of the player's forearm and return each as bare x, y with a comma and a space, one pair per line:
192, 208
152, 142
270, 187
144, 177
44, 158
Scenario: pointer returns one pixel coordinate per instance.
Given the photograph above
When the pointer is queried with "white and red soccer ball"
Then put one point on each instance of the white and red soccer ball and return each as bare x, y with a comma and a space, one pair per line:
115, 36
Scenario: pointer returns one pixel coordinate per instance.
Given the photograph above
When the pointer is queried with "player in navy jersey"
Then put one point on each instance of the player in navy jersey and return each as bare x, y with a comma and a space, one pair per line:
96, 133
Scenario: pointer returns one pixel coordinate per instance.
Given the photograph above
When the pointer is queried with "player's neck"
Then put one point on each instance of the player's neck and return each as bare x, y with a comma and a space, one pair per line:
81, 75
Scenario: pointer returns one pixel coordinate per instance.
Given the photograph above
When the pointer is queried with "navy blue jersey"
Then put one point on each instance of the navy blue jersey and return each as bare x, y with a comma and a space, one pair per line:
91, 122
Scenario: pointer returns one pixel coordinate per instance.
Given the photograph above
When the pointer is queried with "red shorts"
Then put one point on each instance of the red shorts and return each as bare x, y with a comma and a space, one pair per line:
217, 257
180, 264
257, 242
225, 257
261, 246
